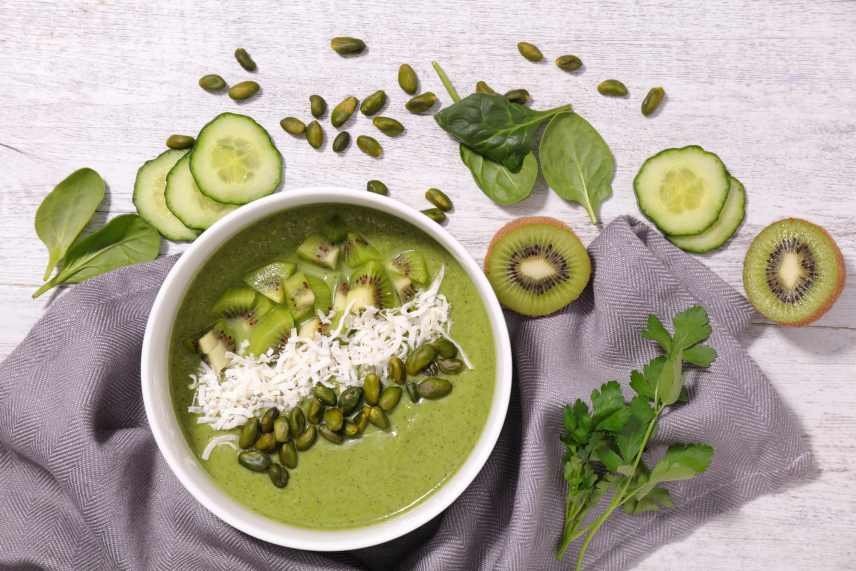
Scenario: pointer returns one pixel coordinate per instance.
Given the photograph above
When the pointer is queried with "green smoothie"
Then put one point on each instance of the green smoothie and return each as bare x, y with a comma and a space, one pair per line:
383, 473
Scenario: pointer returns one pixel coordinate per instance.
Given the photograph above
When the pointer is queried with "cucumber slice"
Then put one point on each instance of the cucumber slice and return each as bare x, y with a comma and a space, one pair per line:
682, 190
183, 198
235, 161
723, 229
150, 199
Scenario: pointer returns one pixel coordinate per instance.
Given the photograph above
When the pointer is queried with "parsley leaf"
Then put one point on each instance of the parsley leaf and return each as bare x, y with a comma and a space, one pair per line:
691, 327
655, 331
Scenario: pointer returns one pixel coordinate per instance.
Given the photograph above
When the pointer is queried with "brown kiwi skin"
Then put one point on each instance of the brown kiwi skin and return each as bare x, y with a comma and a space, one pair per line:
514, 224
839, 287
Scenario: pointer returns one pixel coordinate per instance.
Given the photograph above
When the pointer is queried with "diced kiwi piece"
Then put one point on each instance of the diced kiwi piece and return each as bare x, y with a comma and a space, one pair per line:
268, 280
271, 331
340, 302
369, 286
318, 250
310, 328
357, 250
213, 346
537, 265
263, 305
299, 295
235, 301
793, 272
334, 229
409, 263
323, 296
403, 286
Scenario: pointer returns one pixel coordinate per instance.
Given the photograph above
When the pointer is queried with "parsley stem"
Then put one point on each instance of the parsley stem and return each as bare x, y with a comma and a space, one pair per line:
447, 83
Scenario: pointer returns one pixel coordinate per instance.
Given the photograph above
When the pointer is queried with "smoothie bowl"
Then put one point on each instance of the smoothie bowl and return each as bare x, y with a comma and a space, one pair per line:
326, 369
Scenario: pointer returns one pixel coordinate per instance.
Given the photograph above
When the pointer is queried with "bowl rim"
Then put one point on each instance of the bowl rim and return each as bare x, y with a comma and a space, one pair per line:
187, 467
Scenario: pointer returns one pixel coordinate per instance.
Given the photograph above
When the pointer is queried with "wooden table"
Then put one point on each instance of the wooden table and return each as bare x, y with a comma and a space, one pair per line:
770, 87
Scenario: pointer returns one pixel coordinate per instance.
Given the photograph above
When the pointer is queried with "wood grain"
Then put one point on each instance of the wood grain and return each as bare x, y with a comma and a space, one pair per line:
766, 85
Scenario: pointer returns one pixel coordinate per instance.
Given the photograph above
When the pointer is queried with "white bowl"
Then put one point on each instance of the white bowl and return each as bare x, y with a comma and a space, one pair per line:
183, 462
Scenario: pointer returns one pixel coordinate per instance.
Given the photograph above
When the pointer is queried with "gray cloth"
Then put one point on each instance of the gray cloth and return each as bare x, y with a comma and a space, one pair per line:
84, 487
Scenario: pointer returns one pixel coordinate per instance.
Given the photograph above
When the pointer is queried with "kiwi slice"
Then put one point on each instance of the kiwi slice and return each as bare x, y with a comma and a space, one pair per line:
340, 302
411, 264
268, 280
299, 295
321, 291
537, 265
235, 301
369, 286
213, 346
403, 286
793, 272
357, 250
238, 314
271, 331
318, 250
311, 328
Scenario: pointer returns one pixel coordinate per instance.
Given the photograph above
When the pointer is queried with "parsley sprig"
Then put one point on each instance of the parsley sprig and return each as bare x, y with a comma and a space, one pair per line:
604, 444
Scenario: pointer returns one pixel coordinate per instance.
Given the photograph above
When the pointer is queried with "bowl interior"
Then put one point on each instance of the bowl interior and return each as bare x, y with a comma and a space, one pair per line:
171, 440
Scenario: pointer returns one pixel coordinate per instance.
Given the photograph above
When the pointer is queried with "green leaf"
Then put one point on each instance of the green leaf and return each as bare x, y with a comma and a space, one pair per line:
500, 184
577, 162
629, 440
606, 400
700, 355
681, 462
495, 128
653, 501
656, 331
125, 240
670, 381
691, 327
578, 423
66, 211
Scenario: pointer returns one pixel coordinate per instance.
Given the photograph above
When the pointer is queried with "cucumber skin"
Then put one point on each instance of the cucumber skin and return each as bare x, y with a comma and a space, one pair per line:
739, 223
166, 196
649, 217
270, 140
174, 238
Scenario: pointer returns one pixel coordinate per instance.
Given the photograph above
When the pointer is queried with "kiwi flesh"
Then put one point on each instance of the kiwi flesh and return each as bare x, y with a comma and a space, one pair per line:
311, 328
537, 265
299, 295
271, 331
793, 272
411, 264
268, 280
238, 314
369, 286
357, 251
321, 291
318, 250
213, 346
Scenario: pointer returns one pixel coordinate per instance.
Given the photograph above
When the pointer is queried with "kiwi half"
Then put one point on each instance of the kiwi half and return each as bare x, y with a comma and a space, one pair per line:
369, 286
793, 272
537, 265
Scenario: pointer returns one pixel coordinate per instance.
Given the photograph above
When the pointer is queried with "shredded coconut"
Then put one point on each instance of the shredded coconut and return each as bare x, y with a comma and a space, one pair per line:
220, 440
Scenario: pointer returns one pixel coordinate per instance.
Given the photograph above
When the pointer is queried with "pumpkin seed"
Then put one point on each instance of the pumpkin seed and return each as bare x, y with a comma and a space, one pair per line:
482, 87
180, 141
369, 146
434, 388
419, 359
344, 45
343, 111
439, 199
435, 214
212, 83
445, 348
245, 60
288, 455
244, 90
331, 436
352, 430
388, 126
396, 370
317, 106
249, 433
569, 63
296, 421
254, 460
520, 96
293, 126
314, 411
341, 142
349, 400
373, 103
652, 100
407, 79
269, 415
450, 366
612, 88
281, 429
377, 187
325, 394
371, 388
378, 418
315, 134
266, 442
389, 398
278, 475
306, 439
530, 51
412, 392
334, 419
421, 103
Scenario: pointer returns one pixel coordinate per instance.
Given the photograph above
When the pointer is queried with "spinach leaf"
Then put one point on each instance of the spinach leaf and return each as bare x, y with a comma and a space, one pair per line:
577, 162
495, 128
125, 240
66, 211
499, 183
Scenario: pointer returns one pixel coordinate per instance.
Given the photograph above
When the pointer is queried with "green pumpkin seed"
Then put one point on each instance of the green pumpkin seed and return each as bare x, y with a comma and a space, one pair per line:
362, 419
350, 398
254, 460
420, 358
317, 106
371, 388
520, 96
306, 439
266, 422
407, 79
389, 398
482, 87
445, 348
296, 421
369, 146
652, 100
334, 419
396, 370
343, 111
314, 411
180, 141
344, 45
341, 142
530, 51
293, 126
315, 134
421, 103
373, 103
281, 429
288, 455
244, 90
450, 366
325, 394
569, 63
278, 475
249, 433
612, 88
266, 442
439, 199
212, 83
245, 60
435, 214
378, 418
388, 126
352, 430
377, 187
434, 388
330, 436
412, 392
